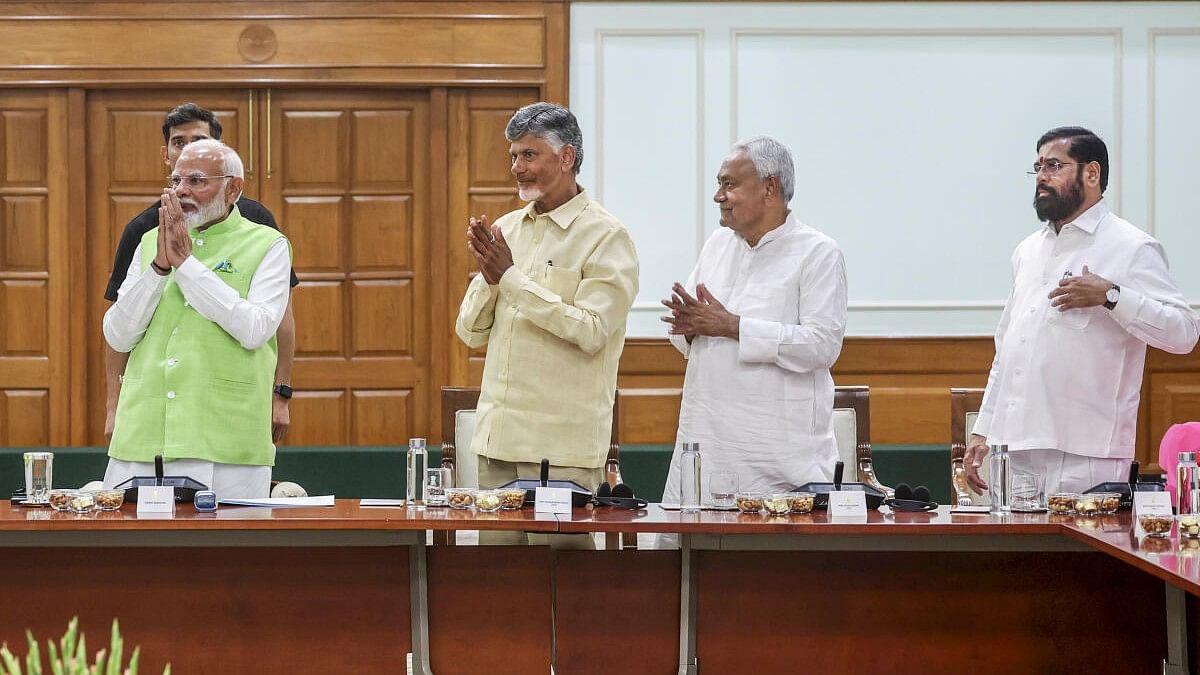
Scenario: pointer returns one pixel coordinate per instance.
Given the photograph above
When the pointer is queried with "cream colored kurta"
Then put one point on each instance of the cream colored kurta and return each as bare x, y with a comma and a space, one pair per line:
555, 328
762, 406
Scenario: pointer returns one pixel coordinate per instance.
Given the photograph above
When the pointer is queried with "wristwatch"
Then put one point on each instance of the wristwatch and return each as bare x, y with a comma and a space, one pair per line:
283, 390
1111, 296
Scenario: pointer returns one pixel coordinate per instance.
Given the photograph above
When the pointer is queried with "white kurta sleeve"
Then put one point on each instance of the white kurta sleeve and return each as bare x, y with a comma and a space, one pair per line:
126, 320
1152, 308
815, 342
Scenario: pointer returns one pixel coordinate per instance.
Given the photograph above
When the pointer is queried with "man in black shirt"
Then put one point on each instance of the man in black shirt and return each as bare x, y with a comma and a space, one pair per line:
185, 124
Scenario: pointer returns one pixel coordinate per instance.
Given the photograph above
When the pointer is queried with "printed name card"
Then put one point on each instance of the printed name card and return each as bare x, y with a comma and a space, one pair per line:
848, 504
1152, 503
156, 499
552, 500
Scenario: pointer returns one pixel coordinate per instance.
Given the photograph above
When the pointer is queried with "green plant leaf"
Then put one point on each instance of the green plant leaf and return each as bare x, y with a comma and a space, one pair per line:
10, 662
33, 662
56, 666
101, 661
167, 670
133, 661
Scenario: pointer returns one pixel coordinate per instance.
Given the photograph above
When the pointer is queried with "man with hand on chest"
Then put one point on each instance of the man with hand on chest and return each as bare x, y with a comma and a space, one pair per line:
197, 312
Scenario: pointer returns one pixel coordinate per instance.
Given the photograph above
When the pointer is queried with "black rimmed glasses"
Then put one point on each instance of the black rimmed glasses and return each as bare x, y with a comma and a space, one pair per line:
195, 181
1051, 167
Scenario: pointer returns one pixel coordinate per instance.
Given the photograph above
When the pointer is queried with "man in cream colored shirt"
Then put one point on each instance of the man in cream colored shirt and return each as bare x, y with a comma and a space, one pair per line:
760, 321
556, 280
1090, 291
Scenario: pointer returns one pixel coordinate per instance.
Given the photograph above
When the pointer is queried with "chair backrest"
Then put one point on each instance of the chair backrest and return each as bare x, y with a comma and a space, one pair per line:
458, 426
852, 426
964, 410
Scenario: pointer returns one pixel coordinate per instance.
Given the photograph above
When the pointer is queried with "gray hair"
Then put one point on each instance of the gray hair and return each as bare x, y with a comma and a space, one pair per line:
231, 162
770, 158
550, 122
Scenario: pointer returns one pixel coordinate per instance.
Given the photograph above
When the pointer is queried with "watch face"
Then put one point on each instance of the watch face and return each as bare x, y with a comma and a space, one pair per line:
1112, 295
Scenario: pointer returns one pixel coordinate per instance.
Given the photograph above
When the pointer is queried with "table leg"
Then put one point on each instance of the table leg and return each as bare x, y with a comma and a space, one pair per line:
687, 608
418, 600
1176, 662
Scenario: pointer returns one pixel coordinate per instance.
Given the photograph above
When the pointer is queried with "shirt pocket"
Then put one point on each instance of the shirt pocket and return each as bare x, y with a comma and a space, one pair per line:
1074, 319
562, 281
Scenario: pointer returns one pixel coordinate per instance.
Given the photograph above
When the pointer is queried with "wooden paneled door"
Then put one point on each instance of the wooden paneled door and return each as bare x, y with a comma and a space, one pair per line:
125, 175
347, 175
35, 270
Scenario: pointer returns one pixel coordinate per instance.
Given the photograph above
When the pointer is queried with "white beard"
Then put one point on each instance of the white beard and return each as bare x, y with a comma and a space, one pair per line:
213, 211
529, 194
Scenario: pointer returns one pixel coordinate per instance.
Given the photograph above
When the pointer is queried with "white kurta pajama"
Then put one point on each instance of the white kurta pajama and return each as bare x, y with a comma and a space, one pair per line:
761, 406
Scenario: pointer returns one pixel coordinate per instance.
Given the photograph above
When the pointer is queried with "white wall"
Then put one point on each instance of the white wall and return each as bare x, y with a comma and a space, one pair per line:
912, 126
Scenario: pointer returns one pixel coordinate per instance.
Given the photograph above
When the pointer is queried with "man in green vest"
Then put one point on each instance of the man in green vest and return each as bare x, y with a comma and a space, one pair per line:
197, 313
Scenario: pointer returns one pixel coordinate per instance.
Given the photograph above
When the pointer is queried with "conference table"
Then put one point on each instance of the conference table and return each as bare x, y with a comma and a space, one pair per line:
349, 589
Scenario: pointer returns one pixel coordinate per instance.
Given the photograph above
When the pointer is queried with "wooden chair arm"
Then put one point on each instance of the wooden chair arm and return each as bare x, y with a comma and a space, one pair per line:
866, 471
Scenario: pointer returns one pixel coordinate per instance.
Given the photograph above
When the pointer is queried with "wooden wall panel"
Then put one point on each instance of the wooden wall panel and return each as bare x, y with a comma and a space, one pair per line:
364, 303
35, 274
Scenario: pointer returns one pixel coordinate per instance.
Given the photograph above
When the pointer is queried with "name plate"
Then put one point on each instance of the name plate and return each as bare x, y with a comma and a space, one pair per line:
156, 499
848, 504
552, 500
1152, 503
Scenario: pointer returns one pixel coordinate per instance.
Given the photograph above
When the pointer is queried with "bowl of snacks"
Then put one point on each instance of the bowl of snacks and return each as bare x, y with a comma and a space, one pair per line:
802, 502
1109, 502
487, 501
777, 504
1062, 502
460, 498
512, 499
1189, 525
109, 500
1156, 525
82, 501
749, 502
60, 500
1088, 504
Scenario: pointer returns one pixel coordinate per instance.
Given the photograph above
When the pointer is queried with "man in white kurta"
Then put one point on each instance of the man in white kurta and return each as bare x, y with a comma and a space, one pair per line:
1090, 291
760, 322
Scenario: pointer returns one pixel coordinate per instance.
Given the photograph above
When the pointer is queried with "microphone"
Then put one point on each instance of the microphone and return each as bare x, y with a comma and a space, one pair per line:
158, 470
921, 494
911, 499
903, 491
545, 471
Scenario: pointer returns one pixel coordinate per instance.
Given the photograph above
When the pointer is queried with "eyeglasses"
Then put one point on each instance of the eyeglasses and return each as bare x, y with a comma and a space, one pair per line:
1051, 167
195, 181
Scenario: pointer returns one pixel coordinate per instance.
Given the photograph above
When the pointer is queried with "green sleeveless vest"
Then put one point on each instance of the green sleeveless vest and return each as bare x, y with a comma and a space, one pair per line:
190, 390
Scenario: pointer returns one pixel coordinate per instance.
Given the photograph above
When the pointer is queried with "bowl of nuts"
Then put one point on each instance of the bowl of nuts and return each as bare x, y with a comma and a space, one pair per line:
460, 498
487, 501
109, 500
1109, 502
1156, 525
512, 499
777, 504
1189, 525
1062, 502
749, 502
60, 500
802, 502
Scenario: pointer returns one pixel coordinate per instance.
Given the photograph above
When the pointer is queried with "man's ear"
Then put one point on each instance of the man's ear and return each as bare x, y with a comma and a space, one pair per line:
1092, 173
166, 160
567, 157
233, 190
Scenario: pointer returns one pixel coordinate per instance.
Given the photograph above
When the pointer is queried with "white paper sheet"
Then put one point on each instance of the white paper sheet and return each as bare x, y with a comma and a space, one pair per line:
392, 503
282, 502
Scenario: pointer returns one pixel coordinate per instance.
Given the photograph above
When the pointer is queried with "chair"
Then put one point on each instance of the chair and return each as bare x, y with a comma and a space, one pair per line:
852, 431
458, 426
964, 410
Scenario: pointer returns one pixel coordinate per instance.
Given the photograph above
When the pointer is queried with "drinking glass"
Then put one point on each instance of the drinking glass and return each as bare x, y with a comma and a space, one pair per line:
1027, 491
437, 480
722, 487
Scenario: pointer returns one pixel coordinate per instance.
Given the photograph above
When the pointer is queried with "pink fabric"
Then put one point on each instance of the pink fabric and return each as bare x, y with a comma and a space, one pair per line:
1179, 438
